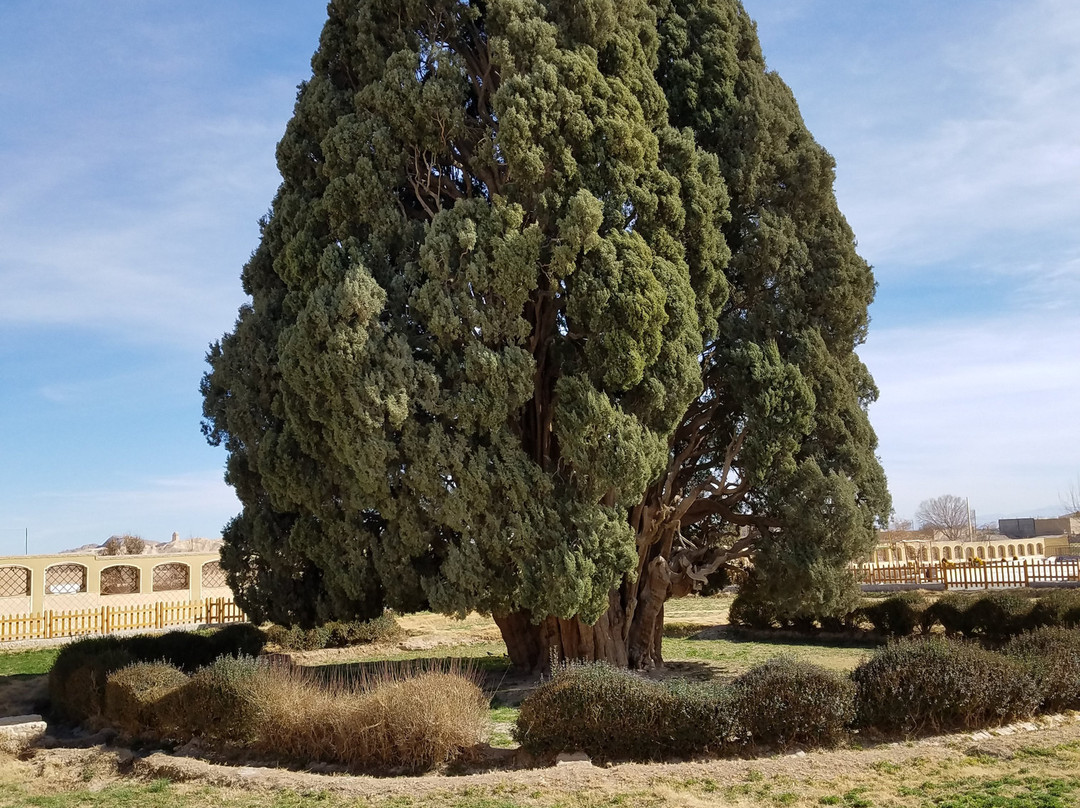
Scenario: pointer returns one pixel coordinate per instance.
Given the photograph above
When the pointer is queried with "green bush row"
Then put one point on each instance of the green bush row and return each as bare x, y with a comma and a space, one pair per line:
78, 676
334, 634
993, 617
912, 685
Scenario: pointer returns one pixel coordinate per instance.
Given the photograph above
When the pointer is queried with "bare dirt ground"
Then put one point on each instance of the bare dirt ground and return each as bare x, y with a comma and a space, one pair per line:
61, 769
22, 694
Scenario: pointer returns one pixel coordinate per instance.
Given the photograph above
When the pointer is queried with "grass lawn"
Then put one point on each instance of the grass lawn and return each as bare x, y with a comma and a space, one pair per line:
37, 660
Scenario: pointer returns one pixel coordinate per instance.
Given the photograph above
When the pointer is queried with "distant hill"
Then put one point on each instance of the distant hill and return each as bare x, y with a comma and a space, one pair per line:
176, 545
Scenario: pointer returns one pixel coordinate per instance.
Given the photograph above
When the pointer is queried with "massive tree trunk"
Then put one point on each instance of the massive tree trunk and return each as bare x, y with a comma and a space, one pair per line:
629, 634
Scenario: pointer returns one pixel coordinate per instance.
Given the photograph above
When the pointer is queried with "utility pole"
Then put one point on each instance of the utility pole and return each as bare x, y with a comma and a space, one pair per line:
967, 505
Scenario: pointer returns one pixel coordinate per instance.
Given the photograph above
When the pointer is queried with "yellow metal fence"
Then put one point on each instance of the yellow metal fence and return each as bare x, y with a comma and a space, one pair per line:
107, 619
972, 574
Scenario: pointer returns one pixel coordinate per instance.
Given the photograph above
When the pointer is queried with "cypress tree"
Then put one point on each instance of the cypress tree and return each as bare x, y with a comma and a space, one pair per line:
553, 317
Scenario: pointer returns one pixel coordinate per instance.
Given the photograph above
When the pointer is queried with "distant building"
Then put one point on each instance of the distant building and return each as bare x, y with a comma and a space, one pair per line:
1031, 527
929, 547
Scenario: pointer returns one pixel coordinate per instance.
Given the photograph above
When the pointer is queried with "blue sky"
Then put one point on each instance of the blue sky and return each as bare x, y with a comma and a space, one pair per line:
137, 154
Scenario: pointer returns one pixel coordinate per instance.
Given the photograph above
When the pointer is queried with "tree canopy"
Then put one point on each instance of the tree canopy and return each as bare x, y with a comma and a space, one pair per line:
554, 317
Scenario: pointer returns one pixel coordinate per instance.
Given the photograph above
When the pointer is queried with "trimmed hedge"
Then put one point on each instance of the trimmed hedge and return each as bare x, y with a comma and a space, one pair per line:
1052, 657
997, 616
79, 675
897, 615
335, 634
935, 684
136, 697
221, 701
1059, 607
615, 714
787, 702
950, 612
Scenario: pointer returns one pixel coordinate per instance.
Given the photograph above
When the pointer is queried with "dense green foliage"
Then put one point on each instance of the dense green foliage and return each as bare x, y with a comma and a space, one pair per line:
553, 300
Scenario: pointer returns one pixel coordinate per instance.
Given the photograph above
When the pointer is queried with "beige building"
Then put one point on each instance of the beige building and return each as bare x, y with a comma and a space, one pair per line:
905, 546
39, 583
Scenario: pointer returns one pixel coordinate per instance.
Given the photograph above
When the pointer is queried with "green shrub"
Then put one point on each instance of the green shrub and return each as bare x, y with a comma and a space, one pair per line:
383, 628
238, 639
1057, 607
1052, 655
897, 615
950, 612
336, 634
136, 697
276, 635
786, 702
750, 612
78, 676
997, 616
936, 684
615, 714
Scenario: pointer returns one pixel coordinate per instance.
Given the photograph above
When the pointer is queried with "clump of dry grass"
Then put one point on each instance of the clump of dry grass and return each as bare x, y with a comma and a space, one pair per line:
387, 720
384, 719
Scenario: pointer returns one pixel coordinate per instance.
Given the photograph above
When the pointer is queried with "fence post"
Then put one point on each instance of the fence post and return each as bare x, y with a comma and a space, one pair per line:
1025, 572
158, 615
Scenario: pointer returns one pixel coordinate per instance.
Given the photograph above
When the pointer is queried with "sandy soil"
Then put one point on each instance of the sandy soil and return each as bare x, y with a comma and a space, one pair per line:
100, 765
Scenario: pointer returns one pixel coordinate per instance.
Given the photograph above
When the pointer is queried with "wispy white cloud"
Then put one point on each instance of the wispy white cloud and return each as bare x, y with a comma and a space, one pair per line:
984, 410
992, 163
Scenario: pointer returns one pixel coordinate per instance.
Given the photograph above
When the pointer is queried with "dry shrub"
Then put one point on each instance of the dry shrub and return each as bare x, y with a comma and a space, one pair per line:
786, 702
135, 697
1052, 655
335, 634
386, 722
936, 684
615, 714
